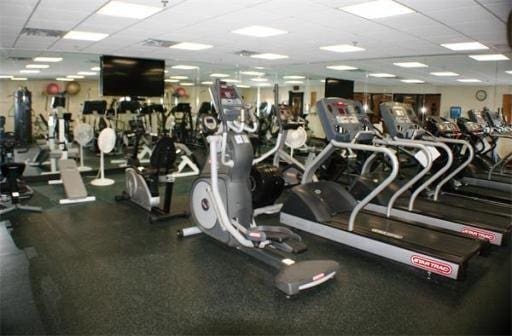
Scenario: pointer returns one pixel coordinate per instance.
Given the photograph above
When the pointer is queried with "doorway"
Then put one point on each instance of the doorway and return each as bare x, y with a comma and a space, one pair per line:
507, 107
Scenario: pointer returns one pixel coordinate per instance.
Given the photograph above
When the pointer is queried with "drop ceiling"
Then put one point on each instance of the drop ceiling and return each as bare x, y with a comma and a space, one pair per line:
310, 25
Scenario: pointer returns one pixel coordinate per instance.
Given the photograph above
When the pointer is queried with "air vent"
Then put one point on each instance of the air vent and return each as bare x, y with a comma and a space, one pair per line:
246, 53
42, 32
158, 43
19, 59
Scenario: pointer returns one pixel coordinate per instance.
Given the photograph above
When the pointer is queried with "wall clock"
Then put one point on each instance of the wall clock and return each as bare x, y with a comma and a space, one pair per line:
481, 95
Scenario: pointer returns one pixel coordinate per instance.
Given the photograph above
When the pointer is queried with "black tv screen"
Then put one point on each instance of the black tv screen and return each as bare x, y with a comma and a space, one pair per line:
122, 76
340, 88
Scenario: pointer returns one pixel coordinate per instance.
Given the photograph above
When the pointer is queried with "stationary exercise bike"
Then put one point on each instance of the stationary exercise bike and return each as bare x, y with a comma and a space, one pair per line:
221, 201
142, 184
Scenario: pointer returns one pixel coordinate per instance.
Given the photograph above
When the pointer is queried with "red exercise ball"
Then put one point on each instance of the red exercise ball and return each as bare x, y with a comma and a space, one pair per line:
52, 89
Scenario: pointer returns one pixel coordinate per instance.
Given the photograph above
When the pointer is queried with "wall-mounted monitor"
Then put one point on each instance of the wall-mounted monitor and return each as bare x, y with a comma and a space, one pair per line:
340, 88
123, 76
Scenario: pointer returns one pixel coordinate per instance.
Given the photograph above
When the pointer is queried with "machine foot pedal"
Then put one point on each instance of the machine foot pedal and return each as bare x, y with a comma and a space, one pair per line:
305, 274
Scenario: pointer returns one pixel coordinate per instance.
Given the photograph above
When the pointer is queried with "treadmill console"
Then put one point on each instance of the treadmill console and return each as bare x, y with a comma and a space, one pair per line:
476, 116
493, 119
339, 119
231, 103
397, 120
469, 126
443, 127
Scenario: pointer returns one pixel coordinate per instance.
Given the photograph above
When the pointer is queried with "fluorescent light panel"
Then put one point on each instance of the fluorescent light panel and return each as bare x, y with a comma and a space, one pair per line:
19, 78
47, 59
179, 77
191, 46
252, 73
341, 67
377, 9
259, 31
37, 66
75, 76
5, 77
259, 79
469, 80
294, 82
412, 81
509, 72
64, 79
207, 83
444, 74
84, 36
465, 46
187, 84
219, 75
87, 73
171, 80
128, 10
95, 68
342, 48
184, 67
269, 56
382, 75
30, 71
411, 65
243, 86
489, 57
294, 77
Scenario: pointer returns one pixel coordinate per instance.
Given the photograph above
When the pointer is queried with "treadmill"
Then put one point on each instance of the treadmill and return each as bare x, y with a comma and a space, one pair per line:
442, 127
397, 202
327, 209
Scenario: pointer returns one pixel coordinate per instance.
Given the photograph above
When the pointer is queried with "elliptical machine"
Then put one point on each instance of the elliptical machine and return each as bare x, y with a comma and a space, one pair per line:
221, 201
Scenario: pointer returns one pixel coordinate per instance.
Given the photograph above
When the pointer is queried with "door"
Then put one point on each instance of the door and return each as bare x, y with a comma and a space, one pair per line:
296, 103
507, 107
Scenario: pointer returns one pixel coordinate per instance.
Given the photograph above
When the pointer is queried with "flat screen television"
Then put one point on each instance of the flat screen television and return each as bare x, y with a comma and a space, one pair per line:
340, 88
123, 76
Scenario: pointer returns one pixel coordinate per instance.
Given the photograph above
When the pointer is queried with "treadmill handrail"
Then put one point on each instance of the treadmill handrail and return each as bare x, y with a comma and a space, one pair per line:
434, 176
413, 180
310, 170
471, 155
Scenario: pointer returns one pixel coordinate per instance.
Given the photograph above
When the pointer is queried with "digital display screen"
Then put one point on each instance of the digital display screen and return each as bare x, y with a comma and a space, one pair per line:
122, 76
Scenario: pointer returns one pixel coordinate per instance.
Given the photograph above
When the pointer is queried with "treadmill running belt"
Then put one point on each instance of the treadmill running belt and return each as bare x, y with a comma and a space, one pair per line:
495, 177
415, 238
491, 194
498, 209
458, 215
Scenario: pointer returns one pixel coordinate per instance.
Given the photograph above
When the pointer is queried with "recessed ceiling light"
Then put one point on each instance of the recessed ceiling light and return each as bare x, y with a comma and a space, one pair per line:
252, 73
293, 77
179, 77
171, 80
37, 66
489, 57
30, 71
187, 84
231, 80
191, 46
382, 75
95, 68
464, 46
469, 80
64, 79
411, 65
342, 48
259, 31
509, 72
87, 73
75, 76
269, 56
5, 77
19, 78
128, 10
219, 75
48, 59
184, 67
294, 82
243, 86
259, 79
84, 36
412, 81
377, 9
444, 74
207, 83
341, 67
